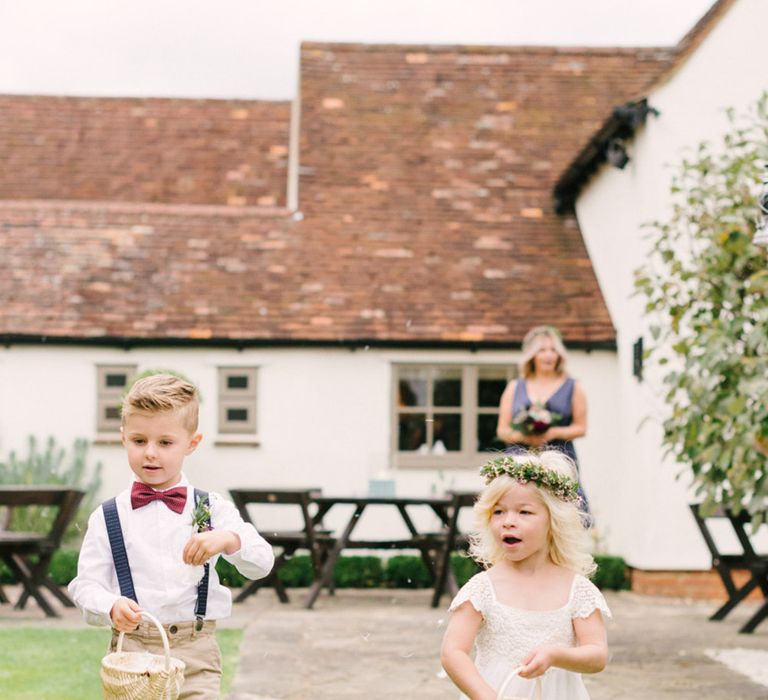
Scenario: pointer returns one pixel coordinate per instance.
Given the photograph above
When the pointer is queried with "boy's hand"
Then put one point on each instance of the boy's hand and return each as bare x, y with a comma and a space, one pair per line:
538, 661
203, 545
125, 615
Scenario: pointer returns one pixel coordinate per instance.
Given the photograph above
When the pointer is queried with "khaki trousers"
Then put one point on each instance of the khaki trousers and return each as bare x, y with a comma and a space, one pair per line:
198, 650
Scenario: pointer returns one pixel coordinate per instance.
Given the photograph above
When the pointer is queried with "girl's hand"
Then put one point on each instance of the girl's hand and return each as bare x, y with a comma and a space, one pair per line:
125, 615
537, 662
204, 545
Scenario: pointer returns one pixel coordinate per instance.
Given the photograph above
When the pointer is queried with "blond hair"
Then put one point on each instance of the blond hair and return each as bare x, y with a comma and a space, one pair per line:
569, 540
532, 344
161, 393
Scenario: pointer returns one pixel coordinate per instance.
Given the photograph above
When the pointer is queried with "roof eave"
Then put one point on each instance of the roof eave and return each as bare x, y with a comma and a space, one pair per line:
622, 124
128, 343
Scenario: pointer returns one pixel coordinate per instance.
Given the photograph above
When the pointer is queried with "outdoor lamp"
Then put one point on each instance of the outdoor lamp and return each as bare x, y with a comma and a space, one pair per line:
761, 232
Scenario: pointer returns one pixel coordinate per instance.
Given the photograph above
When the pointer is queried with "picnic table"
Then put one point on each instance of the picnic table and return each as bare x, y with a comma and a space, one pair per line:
28, 554
755, 562
326, 546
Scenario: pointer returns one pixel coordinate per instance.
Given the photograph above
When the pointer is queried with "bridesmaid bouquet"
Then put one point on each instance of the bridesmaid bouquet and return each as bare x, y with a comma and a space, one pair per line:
535, 420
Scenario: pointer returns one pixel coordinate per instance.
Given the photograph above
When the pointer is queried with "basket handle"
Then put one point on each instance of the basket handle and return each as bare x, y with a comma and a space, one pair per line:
163, 636
508, 679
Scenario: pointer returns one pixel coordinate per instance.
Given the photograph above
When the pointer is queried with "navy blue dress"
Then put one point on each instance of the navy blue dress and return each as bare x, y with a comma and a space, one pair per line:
560, 402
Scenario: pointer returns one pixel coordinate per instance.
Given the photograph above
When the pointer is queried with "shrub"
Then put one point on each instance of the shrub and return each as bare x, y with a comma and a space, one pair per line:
611, 574
358, 572
297, 572
464, 568
229, 575
406, 571
63, 566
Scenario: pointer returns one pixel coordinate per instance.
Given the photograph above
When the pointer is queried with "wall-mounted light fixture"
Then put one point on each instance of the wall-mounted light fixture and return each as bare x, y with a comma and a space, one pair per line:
637, 359
616, 153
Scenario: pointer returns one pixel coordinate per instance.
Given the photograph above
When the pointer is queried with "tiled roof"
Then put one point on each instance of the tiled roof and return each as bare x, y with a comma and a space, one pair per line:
626, 118
144, 150
424, 182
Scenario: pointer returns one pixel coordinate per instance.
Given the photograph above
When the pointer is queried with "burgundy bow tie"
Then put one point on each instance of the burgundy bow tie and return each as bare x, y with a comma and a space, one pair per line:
175, 499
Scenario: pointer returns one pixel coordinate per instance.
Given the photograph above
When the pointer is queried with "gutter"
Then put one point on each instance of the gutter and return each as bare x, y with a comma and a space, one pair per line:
240, 344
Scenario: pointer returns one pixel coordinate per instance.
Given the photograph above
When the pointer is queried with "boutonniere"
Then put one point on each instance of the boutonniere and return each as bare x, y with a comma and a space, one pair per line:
201, 516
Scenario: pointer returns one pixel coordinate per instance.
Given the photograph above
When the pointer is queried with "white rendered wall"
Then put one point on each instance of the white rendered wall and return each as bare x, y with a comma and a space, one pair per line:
323, 420
727, 70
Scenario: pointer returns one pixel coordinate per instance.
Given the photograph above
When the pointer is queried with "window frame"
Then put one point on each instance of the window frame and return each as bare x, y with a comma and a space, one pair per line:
234, 399
467, 456
109, 397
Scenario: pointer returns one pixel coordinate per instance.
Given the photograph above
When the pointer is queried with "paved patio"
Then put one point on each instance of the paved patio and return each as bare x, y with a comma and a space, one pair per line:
382, 644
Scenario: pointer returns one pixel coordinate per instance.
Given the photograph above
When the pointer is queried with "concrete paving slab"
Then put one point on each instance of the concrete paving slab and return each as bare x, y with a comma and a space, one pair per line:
383, 644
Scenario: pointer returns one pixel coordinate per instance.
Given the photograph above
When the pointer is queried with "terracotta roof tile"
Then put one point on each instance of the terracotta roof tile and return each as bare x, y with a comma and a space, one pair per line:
144, 150
424, 183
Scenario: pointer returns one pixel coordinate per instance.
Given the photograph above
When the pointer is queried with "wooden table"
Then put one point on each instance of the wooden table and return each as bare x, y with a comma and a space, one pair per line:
430, 545
28, 554
751, 560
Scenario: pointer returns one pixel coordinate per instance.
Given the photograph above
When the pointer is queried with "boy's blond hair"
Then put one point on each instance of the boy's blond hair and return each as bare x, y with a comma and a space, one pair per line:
160, 393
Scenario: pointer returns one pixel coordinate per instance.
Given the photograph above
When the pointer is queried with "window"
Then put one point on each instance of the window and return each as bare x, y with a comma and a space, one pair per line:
112, 381
446, 415
237, 400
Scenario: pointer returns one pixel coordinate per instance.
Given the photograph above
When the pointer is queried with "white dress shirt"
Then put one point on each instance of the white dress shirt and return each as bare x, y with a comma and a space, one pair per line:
154, 541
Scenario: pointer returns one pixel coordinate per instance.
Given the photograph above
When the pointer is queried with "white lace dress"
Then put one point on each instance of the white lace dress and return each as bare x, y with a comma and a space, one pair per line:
507, 635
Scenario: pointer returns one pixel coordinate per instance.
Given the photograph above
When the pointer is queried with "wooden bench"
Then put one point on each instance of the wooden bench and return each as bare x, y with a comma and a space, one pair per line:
756, 563
455, 540
309, 535
28, 554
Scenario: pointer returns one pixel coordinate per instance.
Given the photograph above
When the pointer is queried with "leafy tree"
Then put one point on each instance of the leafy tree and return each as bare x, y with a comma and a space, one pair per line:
706, 290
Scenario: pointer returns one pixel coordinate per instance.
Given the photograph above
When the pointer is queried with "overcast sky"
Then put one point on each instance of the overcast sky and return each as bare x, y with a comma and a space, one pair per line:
249, 48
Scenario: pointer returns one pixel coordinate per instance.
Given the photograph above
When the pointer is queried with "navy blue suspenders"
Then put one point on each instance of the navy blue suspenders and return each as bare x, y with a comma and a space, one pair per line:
123, 568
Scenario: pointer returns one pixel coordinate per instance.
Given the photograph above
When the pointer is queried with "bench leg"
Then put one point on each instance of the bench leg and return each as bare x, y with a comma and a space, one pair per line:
734, 600
30, 583
755, 620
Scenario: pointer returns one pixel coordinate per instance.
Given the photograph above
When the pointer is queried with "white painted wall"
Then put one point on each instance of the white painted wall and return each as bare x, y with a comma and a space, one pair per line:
727, 70
323, 420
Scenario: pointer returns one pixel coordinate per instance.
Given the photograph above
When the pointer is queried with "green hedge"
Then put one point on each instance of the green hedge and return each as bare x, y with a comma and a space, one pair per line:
400, 571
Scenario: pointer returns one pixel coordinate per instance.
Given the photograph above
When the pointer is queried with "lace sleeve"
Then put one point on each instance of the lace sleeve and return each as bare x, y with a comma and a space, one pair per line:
587, 598
475, 591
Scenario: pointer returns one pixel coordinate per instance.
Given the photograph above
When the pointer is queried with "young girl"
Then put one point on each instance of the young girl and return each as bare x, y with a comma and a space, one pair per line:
533, 607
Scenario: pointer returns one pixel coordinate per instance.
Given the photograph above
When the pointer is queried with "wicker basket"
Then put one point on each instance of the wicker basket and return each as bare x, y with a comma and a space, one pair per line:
507, 681
140, 675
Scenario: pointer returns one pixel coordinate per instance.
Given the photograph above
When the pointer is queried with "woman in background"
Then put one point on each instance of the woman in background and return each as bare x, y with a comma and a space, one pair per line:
544, 408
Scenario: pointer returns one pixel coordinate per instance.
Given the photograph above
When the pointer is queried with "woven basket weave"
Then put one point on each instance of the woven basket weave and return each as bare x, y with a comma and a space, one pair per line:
130, 675
508, 680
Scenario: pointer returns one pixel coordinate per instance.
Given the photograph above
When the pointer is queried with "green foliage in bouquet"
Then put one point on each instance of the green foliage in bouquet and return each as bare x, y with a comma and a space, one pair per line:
706, 290
535, 420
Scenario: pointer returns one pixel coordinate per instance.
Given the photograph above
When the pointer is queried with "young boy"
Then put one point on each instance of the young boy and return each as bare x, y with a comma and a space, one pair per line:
164, 550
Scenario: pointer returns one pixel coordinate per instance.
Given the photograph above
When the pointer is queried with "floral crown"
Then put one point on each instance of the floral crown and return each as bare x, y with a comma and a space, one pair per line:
560, 485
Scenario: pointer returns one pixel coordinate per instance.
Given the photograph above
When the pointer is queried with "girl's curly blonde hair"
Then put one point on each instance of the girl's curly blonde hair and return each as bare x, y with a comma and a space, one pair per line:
569, 541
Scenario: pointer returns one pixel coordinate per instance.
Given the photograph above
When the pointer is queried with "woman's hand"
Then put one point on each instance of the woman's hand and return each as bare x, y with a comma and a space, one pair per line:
537, 439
